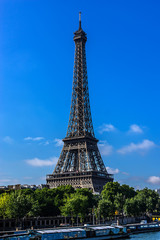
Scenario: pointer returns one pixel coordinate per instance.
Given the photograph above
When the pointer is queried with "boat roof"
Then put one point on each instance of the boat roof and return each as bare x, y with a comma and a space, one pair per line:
117, 226
101, 228
60, 230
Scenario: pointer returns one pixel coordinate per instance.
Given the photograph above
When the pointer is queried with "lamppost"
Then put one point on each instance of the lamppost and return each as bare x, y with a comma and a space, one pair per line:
93, 215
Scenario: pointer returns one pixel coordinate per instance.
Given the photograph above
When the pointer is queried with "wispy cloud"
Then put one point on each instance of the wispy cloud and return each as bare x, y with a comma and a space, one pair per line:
34, 139
105, 148
58, 142
8, 180
112, 170
36, 162
8, 140
106, 128
133, 181
154, 180
139, 147
134, 128
115, 171
27, 178
125, 173
46, 143
43, 178
4, 181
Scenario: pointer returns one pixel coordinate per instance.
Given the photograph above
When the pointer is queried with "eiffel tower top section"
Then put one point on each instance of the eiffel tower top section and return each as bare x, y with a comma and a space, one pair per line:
80, 120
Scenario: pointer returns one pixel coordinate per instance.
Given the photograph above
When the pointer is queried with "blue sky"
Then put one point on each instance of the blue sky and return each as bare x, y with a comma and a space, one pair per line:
36, 72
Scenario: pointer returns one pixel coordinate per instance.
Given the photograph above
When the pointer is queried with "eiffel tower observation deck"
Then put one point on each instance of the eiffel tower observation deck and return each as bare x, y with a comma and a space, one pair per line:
80, 163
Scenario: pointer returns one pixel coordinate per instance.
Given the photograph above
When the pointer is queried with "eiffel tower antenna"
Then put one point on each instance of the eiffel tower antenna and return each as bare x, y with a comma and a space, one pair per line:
79, 20
80, 163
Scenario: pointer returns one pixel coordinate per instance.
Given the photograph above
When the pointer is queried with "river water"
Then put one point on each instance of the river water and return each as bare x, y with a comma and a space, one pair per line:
146, 236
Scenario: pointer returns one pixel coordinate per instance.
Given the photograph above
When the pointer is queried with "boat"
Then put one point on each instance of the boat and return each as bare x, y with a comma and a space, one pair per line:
90, 232
142, 227
106, 232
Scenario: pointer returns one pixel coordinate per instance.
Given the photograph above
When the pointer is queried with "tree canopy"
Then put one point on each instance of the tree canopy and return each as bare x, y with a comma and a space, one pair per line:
66, 201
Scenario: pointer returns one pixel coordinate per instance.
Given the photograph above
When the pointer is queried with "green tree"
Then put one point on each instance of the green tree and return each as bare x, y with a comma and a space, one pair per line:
148, 200
110, 190
20, 205
131, 207
61, 194
91, 198
45, 198
119, 202
117, 195
105, 208
127, 191
75, 205
4, 200
50, 200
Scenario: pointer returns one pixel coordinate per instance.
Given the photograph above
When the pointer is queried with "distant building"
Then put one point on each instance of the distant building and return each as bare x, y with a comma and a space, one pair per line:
158, 191
3, 187
43, 186
14, 187
24, 186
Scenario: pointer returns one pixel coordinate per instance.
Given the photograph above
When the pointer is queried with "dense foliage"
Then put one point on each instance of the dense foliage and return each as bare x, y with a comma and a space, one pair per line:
114, 199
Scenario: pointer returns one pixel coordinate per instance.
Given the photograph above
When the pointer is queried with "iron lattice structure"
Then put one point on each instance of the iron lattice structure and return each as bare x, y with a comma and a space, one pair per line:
80, 163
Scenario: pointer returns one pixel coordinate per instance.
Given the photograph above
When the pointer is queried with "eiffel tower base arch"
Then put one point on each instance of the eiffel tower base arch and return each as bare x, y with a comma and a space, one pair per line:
93, 180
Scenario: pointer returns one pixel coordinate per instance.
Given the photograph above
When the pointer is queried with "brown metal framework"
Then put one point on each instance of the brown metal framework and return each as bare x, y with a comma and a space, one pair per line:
80, 163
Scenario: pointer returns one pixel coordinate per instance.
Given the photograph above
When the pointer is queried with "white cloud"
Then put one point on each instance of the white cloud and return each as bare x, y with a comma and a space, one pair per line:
33, 139
28, 138
27, 178
7, 180
105, 148
154, 180
143, 146
58, 142
43, 178
112, 170
46, 143
125, 173
115, 171
36, 162
8, 139
4, 181
106, 128
134, 128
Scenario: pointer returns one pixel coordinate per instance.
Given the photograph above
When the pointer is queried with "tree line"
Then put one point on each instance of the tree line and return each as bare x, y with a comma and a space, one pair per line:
66, 201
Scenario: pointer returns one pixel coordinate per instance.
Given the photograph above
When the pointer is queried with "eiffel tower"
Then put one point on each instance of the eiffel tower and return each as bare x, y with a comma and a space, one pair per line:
80, 163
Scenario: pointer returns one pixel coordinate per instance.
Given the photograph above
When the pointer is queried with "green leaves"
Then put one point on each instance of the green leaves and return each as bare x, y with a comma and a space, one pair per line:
117, 195
26, 202
78, 203
66, 201
145, 201
75, 205
110, 190
131, 207
17, 205
4, 200
105, 208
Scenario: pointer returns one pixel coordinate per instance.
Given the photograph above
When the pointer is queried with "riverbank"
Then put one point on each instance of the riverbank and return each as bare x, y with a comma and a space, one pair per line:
52, 222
